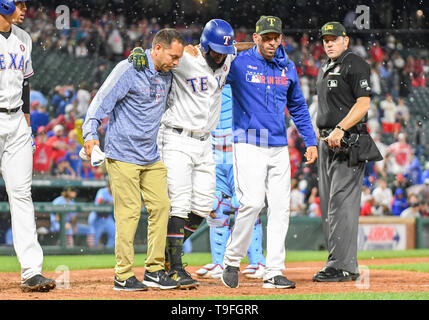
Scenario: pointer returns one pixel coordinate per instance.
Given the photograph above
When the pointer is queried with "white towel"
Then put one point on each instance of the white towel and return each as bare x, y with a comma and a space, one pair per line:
97, 156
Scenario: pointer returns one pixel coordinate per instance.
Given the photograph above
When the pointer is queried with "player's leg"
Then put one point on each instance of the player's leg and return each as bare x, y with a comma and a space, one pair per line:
175, 154
179, 178
203, 184
278, 200
219, 234
256, 267
16, 169
250, 169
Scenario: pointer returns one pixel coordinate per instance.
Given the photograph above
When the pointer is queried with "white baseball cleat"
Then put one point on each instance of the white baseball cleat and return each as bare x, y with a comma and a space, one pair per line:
254, 271
210, 270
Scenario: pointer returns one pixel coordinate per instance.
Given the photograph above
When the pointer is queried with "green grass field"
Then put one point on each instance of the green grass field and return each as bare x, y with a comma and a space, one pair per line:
77, 262
80, 262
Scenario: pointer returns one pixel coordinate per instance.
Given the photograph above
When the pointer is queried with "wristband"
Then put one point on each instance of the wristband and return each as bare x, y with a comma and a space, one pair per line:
341, 128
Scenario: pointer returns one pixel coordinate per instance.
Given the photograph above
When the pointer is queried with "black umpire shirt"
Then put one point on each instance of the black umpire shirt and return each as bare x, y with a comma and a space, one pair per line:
339, 84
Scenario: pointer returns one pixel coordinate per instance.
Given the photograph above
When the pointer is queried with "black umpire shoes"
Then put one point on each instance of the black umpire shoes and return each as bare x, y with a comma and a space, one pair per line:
38, 283
131, 284
278, 282
159, 279
230, 276
183, 278
330, 274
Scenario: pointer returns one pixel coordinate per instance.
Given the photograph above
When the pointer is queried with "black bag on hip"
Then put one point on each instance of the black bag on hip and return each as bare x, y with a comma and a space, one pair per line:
363, 150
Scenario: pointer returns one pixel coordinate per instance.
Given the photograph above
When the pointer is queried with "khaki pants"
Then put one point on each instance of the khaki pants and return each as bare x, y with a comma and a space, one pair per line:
128, 182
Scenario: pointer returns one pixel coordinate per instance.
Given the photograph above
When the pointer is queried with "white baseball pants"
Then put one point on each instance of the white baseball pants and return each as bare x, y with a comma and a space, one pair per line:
191, 172
16, 166
260, 172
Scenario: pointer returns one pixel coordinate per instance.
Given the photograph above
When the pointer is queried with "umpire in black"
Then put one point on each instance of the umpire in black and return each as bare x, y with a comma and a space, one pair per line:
344, 99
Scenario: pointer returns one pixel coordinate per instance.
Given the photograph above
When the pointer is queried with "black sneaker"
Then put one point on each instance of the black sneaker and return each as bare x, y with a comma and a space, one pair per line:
230, 276
278, 282
159, 279
183, 278
131, 284
38, 283
330, 274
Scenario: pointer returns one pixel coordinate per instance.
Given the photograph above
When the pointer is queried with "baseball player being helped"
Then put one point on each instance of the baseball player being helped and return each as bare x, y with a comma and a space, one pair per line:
226, 202
194, 106
264, 82
17, 143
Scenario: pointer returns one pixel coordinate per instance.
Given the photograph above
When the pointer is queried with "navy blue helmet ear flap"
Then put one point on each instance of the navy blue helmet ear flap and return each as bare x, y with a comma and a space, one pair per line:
217, 35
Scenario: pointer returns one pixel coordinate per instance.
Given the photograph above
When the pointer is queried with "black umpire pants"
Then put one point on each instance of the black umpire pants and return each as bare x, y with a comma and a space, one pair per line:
340, 190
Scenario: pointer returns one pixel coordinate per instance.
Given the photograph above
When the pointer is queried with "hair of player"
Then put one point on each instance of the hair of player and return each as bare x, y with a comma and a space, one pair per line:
166, 37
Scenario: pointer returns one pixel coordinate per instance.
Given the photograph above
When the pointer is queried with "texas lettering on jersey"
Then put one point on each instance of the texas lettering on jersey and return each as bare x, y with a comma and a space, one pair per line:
12, 61
201, 83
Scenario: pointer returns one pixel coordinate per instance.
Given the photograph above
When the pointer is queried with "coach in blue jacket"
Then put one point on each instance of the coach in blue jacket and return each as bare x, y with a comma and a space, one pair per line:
264, 82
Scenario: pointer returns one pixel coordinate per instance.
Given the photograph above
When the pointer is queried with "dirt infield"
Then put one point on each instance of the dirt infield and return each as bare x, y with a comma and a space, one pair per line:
98, 284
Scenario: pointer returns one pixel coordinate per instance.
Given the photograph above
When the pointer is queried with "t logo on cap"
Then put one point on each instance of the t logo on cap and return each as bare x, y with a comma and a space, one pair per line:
271, 20
269, 24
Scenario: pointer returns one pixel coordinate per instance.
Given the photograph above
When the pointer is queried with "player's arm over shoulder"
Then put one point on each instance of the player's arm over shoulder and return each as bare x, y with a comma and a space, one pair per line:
242, 46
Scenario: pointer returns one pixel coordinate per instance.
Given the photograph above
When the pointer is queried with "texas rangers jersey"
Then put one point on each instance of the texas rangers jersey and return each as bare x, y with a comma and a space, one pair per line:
196, 94
15, 66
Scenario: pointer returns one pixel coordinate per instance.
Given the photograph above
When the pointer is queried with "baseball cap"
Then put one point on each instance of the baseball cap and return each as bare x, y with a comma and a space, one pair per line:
333, 28
267, 24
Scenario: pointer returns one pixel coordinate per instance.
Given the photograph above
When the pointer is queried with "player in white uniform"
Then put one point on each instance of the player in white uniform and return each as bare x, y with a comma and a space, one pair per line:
194, 106
16, 160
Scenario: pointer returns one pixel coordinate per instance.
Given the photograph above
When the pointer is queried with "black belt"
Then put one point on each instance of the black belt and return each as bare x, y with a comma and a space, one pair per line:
195, 135
9, 111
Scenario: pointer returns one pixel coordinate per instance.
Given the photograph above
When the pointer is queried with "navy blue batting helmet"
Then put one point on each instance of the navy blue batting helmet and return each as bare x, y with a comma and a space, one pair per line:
219, 36
7, 7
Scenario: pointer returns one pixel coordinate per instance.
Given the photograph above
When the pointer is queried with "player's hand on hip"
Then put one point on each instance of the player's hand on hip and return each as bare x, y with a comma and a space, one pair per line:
138, 58
89, 145
310, 154
192, 50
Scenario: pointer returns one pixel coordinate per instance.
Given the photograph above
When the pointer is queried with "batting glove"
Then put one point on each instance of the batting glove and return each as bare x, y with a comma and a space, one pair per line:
138, 58
33, 143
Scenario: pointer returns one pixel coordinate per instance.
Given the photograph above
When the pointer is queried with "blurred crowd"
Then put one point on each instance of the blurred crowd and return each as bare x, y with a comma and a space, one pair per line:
57, 117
